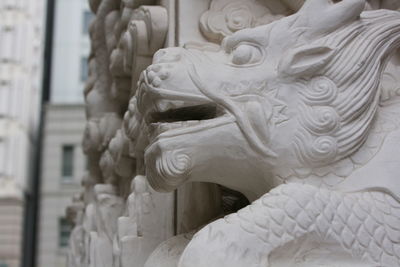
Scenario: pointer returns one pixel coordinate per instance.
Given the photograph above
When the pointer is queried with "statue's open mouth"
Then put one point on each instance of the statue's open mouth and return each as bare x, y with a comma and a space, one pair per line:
161, 122
173, 118
169, 113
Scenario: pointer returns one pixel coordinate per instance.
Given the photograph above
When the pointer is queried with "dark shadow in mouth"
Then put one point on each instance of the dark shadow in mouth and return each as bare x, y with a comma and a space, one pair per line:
193, 113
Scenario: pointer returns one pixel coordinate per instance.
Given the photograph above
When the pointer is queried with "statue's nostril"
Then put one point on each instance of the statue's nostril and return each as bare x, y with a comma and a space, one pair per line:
156, 82
164, 75
155, 68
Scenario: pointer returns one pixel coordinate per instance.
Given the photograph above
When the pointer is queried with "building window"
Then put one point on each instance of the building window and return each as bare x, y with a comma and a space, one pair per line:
64, 231
84, 69
67, 162
87, 19
2, 159
8, 28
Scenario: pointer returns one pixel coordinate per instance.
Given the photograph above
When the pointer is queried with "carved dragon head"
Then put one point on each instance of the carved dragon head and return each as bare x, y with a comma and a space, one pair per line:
285, 99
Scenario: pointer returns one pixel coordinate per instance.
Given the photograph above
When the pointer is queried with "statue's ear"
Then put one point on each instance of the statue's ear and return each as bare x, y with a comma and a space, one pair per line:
304, 61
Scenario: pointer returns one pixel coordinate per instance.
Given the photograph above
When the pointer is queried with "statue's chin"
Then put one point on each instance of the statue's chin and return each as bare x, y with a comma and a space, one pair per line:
218, 155
168, 170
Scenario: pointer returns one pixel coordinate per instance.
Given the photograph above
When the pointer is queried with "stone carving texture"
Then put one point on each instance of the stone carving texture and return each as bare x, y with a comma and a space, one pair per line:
297, 110
116, 226
227, 17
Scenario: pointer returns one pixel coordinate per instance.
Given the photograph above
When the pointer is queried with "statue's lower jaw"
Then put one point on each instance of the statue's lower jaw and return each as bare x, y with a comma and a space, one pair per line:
170, 161
207, 156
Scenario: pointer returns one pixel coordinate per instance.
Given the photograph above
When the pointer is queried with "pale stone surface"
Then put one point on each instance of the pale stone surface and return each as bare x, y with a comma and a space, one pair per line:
285, 105
168, 253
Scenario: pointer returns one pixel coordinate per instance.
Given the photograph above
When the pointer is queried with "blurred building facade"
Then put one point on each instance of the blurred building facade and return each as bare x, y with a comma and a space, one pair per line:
21, 35
63, 162
71, 47
63, 165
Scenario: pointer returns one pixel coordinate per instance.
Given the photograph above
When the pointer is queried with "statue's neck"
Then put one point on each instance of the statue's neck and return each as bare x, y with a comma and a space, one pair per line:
381, 173
375, 166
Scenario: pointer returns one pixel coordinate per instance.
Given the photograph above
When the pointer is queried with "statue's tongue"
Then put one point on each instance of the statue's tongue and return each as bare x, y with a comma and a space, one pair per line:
257, 115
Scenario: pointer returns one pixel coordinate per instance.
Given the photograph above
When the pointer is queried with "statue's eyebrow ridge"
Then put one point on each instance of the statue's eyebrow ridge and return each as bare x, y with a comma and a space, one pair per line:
258, 35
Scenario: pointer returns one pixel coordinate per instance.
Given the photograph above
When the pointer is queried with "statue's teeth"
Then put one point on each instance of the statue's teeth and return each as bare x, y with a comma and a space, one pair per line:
160, 127
190, 123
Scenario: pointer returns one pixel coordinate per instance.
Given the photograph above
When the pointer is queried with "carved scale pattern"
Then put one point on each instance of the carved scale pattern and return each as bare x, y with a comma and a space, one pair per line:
366, 224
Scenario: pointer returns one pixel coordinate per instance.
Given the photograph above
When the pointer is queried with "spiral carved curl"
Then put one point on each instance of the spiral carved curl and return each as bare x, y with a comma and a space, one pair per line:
324, 148
174, 166
320, 91
321, 120
316, 143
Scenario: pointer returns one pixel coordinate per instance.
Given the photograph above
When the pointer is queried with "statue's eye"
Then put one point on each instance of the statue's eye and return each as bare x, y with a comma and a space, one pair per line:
245, 54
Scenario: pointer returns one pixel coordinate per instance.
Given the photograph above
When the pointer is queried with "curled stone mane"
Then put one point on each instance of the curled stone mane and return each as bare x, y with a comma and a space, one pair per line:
341, 99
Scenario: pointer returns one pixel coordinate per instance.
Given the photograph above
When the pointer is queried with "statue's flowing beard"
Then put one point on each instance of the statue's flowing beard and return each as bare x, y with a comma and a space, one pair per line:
254, 125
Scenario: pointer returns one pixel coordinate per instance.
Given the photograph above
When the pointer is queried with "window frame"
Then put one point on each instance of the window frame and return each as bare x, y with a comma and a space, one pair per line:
64, 232
87, 17
67, 168
84, 68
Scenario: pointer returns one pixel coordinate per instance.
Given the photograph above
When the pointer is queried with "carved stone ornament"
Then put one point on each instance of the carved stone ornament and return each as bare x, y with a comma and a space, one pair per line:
293, 109
113, 230
227, 17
